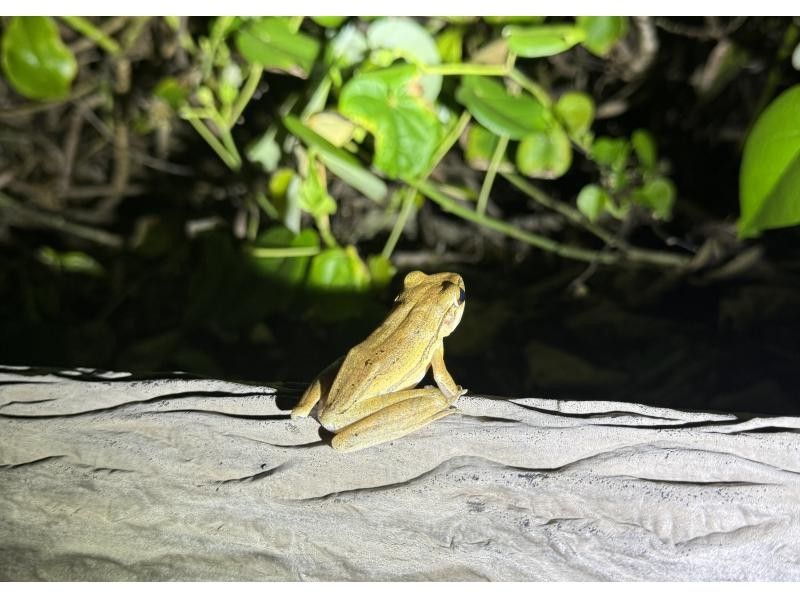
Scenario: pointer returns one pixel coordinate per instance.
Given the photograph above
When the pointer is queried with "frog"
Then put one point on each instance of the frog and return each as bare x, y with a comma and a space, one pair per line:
370, 395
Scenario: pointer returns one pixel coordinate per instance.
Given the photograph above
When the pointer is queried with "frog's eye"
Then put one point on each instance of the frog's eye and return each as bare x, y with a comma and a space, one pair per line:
462, 296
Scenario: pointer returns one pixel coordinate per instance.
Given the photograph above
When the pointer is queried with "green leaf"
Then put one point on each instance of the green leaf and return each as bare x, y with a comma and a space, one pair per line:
338, 161
289, 270
338, 269
544, 40
499, 111
480, 147
408, 39
611, 152
348, 47
329, 22
314, 197
592, 201
449, 43
36, 62
270, 42
381, 270
172, 92
769, 180
602, 33
645, 148
658, 195
388, 104
545, 155
576, 111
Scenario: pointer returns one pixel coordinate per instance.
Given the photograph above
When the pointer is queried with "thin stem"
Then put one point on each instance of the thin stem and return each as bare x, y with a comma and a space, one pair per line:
562, 208
626, 255
569, 251
318, 98
84, 26
230, 145
661, 258
491, 173
324, 228
211, 140
400, 223
59, 223
281, 252
451, 137
536, 90
459, 68
246, 94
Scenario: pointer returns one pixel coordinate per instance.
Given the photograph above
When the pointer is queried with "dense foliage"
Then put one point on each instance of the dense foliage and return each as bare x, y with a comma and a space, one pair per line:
268, 159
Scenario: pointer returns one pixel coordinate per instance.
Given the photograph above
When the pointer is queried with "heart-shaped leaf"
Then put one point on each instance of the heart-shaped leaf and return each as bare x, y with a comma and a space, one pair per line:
388, 103
545, 155
544, 40
769, 180
270, 42
499, 111
35, 60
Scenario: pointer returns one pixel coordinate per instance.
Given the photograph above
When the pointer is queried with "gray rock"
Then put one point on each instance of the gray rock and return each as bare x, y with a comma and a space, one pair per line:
106, 477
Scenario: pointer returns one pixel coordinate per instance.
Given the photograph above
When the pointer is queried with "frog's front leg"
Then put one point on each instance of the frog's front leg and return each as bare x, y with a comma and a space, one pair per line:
317, 389
443, 378
402, 413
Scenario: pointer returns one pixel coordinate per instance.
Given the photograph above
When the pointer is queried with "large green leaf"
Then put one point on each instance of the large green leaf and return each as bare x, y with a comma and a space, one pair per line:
408, 39
388, 104
544, 40
602, 33
769, 180
270, 42
499, 111
338, 161
35, 60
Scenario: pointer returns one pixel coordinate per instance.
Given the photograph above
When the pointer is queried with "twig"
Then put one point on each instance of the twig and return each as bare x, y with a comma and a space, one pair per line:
661, 258
59, 223
626, 254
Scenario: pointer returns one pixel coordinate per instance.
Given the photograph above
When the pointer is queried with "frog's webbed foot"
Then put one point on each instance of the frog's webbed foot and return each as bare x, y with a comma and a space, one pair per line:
395, 420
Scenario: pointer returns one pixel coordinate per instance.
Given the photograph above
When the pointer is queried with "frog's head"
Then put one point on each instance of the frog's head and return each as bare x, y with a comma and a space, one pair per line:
441, 295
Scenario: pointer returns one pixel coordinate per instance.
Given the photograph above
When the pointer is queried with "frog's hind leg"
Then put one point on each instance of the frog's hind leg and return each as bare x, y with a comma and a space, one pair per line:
395, 420
317, 389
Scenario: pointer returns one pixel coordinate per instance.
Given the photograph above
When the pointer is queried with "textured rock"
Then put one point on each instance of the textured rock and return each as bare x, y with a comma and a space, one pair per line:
106, 477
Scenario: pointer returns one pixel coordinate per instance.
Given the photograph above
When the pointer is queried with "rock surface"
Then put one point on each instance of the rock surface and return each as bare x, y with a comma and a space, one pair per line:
107, 477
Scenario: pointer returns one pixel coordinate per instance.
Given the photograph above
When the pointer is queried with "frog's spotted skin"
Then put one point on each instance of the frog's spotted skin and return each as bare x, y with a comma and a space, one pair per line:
368, 397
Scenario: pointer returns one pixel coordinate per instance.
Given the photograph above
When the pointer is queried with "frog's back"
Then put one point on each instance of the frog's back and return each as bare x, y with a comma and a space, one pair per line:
395, 356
